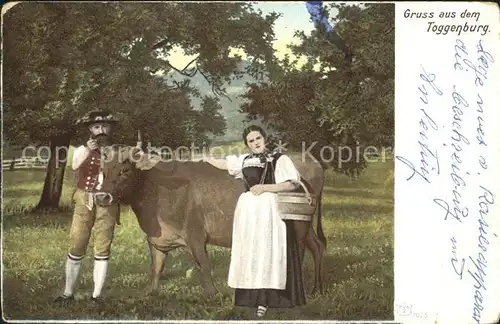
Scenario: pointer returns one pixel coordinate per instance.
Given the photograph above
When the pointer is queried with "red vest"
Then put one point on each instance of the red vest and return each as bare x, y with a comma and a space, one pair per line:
89, 171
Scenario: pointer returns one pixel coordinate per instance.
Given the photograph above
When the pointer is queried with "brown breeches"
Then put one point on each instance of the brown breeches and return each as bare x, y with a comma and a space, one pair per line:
101, 220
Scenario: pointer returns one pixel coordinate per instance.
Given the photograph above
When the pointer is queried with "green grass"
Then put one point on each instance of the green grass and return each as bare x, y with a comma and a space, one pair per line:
357, 219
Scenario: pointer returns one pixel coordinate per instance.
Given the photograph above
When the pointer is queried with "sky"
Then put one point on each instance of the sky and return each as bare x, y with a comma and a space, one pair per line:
294, 17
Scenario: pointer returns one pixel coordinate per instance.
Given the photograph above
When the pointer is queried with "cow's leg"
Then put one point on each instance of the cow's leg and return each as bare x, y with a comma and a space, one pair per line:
317, 248
301, 229
157, 265
200, 255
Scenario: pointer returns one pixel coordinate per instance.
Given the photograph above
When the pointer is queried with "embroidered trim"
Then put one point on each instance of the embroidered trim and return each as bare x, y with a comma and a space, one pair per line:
101, 258
89, 201
253, 162
75, 258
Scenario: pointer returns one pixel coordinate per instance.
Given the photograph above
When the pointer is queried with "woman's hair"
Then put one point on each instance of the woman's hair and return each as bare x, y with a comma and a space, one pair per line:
253, 128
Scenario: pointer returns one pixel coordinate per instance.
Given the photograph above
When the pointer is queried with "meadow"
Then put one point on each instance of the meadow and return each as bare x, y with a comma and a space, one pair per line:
358, 267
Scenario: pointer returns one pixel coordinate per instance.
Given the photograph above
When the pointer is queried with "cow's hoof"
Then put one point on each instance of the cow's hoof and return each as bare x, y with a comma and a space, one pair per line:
152, 292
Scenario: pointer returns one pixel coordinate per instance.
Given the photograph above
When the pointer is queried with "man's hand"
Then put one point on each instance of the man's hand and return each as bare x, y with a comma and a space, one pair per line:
92, 144
259, 189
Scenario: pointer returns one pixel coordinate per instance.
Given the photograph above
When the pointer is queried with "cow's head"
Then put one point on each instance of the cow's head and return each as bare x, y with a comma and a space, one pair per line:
122, 166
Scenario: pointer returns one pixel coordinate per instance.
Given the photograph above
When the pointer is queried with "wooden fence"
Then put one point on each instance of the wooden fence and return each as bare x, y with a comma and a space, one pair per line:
24, 163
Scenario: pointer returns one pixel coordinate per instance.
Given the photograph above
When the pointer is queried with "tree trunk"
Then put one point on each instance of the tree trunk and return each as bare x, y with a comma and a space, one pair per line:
54, 177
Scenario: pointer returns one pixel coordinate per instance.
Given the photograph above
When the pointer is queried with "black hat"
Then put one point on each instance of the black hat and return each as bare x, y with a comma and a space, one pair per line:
97, 116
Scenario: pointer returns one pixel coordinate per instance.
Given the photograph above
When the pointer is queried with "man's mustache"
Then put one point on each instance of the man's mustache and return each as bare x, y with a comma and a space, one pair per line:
102, 139
101, 135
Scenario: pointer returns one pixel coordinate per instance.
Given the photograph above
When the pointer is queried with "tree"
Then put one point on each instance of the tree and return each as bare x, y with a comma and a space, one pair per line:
211, 117
338, 107
82, 56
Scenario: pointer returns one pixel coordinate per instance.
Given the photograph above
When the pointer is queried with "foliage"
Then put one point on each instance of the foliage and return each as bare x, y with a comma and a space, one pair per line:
336, 105
358, 266
82, 56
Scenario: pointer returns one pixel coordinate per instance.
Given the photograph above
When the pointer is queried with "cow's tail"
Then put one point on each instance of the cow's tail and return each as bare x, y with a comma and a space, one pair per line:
319, 225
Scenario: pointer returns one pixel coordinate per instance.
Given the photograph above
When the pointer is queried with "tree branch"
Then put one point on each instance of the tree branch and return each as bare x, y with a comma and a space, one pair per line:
159, 44
190, 72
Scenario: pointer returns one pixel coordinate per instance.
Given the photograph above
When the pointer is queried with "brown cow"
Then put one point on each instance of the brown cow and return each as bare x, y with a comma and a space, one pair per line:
191, 204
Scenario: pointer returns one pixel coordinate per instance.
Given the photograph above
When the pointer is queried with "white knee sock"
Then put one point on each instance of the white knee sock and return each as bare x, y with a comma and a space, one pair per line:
72, 270
100, 271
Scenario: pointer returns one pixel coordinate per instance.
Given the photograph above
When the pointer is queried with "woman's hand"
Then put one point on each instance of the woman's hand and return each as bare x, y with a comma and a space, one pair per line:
259, 189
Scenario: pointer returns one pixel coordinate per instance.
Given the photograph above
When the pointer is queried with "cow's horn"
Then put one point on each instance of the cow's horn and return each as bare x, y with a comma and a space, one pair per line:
139, 138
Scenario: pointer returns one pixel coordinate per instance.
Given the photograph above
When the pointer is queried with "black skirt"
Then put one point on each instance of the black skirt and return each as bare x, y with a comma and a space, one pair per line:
293, 295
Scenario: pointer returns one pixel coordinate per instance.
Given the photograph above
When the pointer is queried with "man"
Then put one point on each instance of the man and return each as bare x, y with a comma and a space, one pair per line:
87, 215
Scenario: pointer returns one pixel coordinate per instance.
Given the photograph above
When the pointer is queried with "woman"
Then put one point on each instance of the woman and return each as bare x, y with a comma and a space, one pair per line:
265, 267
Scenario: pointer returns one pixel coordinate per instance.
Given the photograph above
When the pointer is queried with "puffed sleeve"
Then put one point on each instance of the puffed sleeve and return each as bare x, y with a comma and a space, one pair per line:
235, 164
285, 170
78, 156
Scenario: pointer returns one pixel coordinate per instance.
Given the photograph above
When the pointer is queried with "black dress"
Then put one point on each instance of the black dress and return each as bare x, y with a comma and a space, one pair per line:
294, 294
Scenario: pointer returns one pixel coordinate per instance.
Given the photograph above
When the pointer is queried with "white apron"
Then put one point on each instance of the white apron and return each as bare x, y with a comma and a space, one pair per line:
259, 251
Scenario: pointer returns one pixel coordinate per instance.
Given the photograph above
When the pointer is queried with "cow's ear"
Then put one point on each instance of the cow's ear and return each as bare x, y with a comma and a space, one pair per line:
146, 161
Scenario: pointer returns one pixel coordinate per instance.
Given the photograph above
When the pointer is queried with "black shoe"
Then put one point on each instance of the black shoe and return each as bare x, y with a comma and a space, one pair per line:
261, 311
97, 300
64, 299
